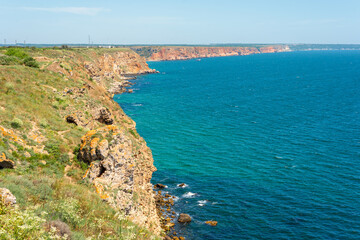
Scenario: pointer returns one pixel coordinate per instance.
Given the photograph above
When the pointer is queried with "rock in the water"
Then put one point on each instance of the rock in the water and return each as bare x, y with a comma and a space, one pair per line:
6, 163
159, 186
182, 185
7, 196
184, 218
211, 223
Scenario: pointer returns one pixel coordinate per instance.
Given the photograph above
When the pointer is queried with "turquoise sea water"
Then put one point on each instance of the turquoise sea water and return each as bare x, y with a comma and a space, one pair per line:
269, 145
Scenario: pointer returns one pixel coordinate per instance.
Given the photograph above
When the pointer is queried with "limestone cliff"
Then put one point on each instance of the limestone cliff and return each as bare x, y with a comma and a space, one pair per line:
183, 53
69, 96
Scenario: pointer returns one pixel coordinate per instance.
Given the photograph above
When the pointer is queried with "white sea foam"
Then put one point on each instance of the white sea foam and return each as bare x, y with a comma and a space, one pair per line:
189, 195
202, 202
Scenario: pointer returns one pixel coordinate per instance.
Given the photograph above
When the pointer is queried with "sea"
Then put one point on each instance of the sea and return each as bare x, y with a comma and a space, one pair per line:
268, 145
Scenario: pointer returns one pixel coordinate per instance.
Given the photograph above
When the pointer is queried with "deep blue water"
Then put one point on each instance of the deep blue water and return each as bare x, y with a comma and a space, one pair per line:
271, 141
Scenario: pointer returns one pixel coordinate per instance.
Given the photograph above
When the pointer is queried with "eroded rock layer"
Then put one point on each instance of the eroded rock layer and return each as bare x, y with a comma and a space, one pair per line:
183, 53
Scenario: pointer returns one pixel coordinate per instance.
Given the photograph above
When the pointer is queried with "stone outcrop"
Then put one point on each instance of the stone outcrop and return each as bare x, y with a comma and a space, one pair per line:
7, 197
5, 163
103, 115
121, 170
159, 186
183, 53
184, 218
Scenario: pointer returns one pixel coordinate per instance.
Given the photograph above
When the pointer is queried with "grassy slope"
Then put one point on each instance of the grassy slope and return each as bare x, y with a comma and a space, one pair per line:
33, 107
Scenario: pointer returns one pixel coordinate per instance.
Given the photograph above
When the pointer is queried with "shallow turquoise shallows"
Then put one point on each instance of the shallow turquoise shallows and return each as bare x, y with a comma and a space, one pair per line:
269, 145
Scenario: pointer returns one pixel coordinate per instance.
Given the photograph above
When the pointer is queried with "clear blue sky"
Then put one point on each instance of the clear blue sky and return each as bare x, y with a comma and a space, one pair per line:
180, 21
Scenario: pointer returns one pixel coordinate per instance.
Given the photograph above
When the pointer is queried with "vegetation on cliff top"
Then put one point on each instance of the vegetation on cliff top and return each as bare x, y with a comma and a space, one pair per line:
34, 134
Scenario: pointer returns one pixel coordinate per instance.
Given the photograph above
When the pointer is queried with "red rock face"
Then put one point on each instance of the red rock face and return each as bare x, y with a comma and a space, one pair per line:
182, 53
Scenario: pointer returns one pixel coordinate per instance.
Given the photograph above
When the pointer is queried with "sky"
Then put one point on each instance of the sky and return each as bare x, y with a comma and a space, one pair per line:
180, 21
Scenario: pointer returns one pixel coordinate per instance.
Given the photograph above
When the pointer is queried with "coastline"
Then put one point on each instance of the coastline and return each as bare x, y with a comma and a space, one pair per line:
173, 53
96, 133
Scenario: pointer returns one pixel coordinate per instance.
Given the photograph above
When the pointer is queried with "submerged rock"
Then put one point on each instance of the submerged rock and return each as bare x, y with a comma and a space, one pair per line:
7, 197
184, 218
211, 223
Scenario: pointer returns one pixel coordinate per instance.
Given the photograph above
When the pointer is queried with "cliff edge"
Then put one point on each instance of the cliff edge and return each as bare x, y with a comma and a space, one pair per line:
169, 53
68, 149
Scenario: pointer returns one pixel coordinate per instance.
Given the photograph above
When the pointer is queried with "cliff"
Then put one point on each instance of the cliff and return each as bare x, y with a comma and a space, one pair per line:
183, 53
61, 131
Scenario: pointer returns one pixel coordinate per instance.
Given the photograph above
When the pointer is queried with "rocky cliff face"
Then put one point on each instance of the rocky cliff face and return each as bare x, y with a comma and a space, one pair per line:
108, 67
120, 163
183, 53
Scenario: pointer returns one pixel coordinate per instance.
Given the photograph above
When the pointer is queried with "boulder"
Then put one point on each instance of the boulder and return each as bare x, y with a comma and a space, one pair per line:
103, 115
72, 119
6, 163
7, 197
159, 186
184, 218
211, 223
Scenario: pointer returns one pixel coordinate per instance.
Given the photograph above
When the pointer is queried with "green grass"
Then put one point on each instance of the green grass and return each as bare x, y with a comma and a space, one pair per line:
76, 205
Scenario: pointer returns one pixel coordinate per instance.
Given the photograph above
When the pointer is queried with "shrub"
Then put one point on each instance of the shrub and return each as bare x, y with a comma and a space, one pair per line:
23, 224
30, 62
43, 123
17, 123
61, 228
9, 87
8, 60
16, 52
69, 211
24, 57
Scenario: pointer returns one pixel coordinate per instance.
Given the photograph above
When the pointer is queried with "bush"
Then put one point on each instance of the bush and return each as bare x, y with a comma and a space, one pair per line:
23, 224
16, 52
8, 60
20, 54
43, 123
30, 62
17, 123
61, 228
69, 211
9, 87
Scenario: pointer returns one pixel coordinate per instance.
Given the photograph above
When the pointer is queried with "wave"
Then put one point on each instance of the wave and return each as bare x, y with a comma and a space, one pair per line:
202, 203
189, 195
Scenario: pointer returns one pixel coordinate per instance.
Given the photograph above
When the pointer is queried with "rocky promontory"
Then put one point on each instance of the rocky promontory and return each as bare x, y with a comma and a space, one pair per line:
169, 53
68, 149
